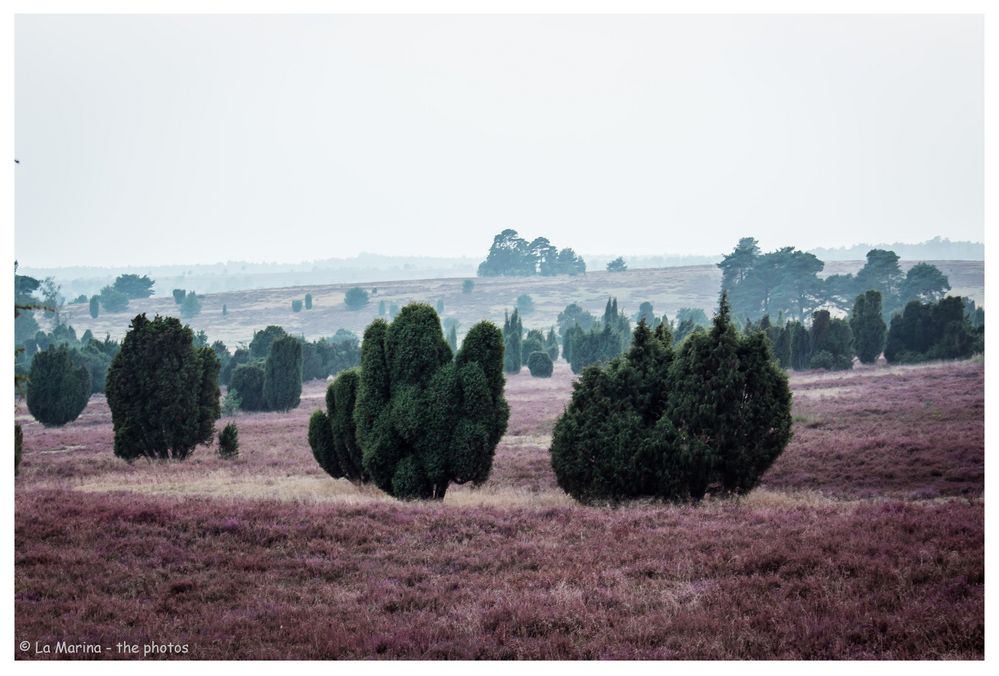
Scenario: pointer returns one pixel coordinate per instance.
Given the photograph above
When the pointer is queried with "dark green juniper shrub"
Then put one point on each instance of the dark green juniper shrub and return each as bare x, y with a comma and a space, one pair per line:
162, 391
308, 301
247, 383
190, 306
533, 342
283, 374
296, 305
229, 442
58, 386
675, 425
426, 418
540, 365
355, 298
513, 332
831, 342
868, 326
333, 433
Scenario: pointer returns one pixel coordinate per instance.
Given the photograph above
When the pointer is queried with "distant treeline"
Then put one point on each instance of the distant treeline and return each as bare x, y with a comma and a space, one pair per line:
936, 249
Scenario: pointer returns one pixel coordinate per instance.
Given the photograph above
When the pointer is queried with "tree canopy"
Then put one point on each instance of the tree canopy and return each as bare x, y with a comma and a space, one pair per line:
511, 255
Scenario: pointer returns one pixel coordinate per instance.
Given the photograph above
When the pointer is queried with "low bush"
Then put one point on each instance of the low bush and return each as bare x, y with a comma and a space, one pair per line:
540, 365
58, 387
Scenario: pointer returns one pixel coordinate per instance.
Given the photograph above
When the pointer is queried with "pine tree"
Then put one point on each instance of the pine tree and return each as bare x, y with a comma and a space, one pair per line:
551, 344
512, 337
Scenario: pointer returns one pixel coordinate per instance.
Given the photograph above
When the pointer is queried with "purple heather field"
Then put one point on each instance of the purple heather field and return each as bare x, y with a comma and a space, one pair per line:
864, 540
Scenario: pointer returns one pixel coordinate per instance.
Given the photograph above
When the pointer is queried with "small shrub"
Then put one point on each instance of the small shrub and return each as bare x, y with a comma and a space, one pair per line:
355, 298
296, 305
540, 365
308, 301
617, 265
467, 286
178, 296
190, 306
95, 306
229, 442
58, 387
525, 304
225, 310
113, 300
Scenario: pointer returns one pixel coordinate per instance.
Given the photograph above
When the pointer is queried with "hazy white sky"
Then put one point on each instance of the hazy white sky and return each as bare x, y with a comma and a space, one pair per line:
157, 139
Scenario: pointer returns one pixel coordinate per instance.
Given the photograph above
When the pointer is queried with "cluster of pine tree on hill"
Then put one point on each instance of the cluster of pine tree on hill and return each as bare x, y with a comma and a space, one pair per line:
511, 255
604, 340
415, 417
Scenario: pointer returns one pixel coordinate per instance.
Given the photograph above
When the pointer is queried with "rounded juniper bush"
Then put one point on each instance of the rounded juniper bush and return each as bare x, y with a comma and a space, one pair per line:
247, 383
711, 417
162, 391
540, 365
58, 387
